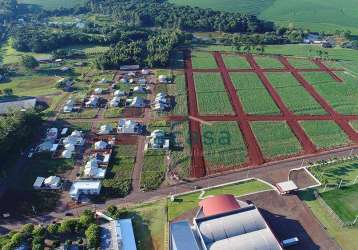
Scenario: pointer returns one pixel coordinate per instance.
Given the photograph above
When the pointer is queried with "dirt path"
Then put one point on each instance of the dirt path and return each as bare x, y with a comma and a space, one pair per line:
324, 68
253, 148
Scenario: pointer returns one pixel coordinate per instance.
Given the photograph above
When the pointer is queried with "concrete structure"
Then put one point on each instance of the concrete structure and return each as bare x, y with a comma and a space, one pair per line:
128, 127
286, 187
118, 235
92, 170
88, 187
7, 106
223, 222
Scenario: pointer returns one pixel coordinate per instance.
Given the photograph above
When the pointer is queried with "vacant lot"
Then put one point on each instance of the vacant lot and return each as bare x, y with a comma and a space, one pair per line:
276, 139
253, 94
343, 201
235, 62
211, 94
297, 99
184, 203
342, 96
223, 144
325, 134
203, 60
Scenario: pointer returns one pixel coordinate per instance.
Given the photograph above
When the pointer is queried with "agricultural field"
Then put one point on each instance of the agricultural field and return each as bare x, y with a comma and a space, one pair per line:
235, 62
267, 62
154, 169
54, 4
302, 63
342, 96
203, 60
253, 94
354, 124
343, 201
223, 144
297, 99
211, 94
325, 134
185, 203
276, 139
317, 15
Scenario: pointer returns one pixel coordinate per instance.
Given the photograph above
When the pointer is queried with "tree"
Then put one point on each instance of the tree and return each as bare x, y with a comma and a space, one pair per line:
53, 228
93, 235
69, 226
8, 92
87, 218
29, 62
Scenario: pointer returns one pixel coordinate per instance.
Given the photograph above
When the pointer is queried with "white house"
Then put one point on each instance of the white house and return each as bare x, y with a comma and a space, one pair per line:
45, 146
100, 145
98, 91
52, 134
85, 187
67, 154
51, 182
105, 129
93, 171
92, 102
164, 79
158, 140
115, 101
128, 127
102, 158
161, 102
70, 147
75, 139
119, 93
136, 102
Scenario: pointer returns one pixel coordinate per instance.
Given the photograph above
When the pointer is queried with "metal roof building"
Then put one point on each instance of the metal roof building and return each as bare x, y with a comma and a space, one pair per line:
182, 236
122, 235
17, 104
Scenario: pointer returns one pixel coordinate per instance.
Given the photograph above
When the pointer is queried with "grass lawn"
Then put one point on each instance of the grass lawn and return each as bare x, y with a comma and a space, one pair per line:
346, 236
120, 169
342, 96
180, 157
354, 124
223, 144
268, 62
253, 94
203, 60
87, 113
325, 134
187, 202
333, 174
276, 139
113, 112
302, 63
297, 99
233, 61
343, 201
154, 169
211, 94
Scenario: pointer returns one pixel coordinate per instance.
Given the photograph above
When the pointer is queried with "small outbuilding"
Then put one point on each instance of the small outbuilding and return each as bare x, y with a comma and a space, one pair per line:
286, 187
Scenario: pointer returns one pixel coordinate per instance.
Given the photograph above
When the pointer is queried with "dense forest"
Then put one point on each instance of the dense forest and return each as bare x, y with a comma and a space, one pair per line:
158, 13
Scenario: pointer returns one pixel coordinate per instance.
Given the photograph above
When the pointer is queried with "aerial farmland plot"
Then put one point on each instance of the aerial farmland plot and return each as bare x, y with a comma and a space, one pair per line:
302, 63
233, 61
268, 62
253, 94
203, 60
297, 99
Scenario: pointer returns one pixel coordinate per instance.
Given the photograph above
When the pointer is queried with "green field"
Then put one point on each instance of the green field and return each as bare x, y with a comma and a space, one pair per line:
296, 98
223, 144
325, 134
354, 124
185, 203
233, 61
154, 168
211, 94
276, 139
342, 96
253, 94
203, 60
343, 201
54, 4
268, 62
302, 63
316, 15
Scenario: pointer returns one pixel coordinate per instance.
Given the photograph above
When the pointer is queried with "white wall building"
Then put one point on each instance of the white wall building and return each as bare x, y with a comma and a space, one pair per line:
85, 187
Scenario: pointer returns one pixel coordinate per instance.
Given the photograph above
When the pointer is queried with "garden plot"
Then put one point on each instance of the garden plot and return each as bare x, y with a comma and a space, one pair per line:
268, 62
276, 139
211, 94
253, 94
296, 98
302, 63
154, 169
342, 96
223, 144
203, 60
233, 61
325, 134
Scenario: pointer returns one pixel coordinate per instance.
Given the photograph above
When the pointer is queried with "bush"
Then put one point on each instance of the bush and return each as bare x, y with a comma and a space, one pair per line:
27, 229
69, 226
53, 228
93, 236
116, 187
87, 218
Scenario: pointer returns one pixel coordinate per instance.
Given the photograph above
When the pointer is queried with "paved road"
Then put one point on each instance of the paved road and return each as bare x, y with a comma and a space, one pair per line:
270, 172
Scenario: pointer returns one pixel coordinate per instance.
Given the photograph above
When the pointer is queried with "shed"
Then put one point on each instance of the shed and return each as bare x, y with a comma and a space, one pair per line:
38, 182
286, 187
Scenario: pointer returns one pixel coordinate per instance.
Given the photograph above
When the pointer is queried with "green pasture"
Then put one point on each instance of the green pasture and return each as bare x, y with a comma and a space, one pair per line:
54, 4
343, 201
211, 94
268, 62
189, 202
203, 60
276, 139
296, 98
233, 61
223, 144
253, 94
325, 134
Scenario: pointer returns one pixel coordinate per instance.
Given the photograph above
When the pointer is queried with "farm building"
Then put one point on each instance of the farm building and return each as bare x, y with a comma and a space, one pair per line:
128, 127
52, 182
120, 235
105, 129
92, 170
222, 222
158, 140
16, 104
136, 102
85, 187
